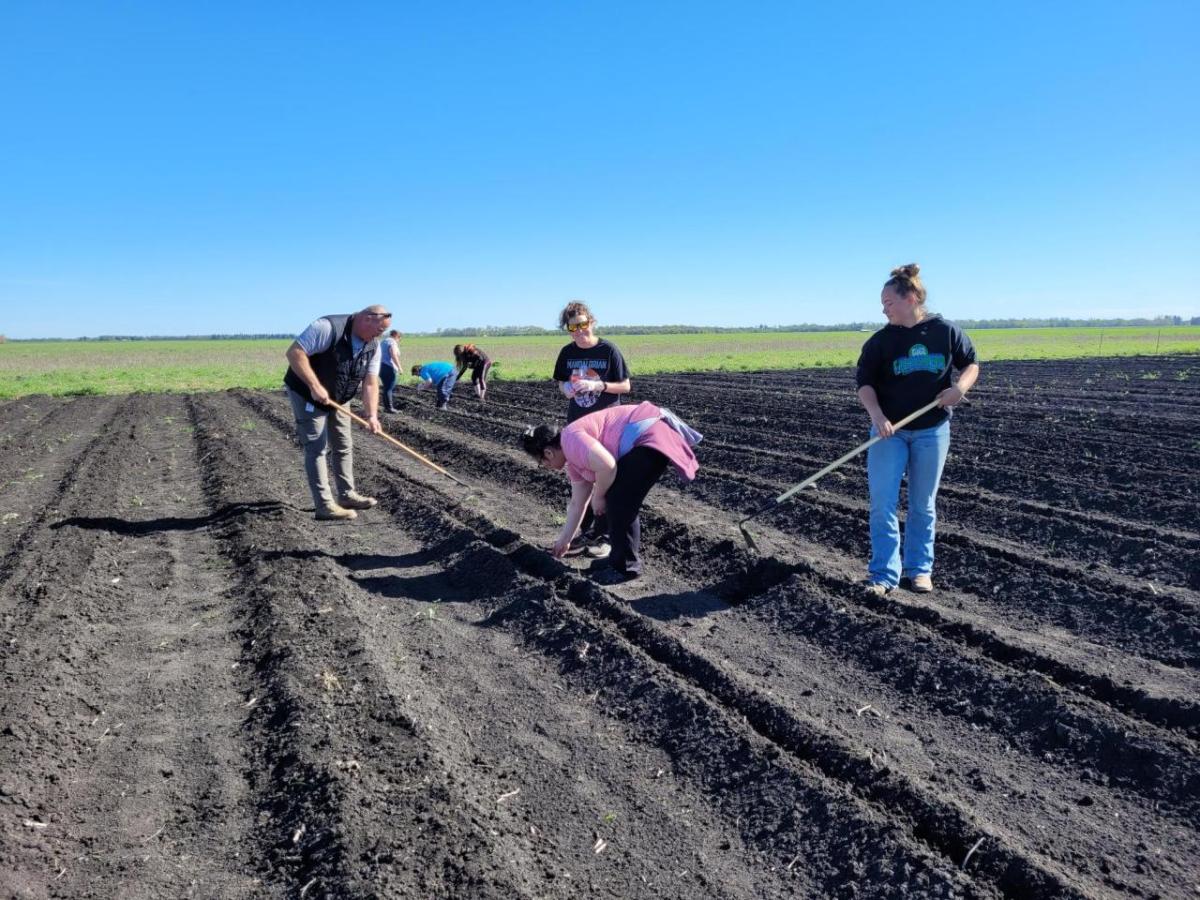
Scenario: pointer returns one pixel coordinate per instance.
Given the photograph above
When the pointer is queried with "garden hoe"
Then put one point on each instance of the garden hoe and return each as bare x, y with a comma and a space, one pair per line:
387, 437
812, 479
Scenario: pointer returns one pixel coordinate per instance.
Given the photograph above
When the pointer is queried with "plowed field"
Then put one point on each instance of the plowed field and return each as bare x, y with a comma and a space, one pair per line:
207, 694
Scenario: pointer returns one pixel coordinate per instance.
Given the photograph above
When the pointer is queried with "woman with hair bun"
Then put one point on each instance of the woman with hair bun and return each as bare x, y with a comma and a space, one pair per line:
613, 458
905, 365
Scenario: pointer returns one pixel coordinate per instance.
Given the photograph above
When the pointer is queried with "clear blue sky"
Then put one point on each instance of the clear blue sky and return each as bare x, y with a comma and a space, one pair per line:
184, 168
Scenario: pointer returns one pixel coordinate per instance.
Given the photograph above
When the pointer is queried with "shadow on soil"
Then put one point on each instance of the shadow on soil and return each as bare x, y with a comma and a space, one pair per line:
138, 528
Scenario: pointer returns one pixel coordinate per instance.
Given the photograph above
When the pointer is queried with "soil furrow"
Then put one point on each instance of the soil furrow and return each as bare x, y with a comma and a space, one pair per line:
125, 628
706, 727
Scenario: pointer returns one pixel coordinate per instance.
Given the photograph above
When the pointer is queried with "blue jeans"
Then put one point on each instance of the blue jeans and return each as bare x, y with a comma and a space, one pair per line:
387, 375
921, 455
444, 388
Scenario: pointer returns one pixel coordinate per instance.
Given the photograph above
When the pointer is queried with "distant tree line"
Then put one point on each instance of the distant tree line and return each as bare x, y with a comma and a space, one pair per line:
509, 330
525, 330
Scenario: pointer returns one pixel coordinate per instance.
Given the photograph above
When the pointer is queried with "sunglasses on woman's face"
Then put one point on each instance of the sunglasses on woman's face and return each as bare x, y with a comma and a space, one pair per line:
578, 326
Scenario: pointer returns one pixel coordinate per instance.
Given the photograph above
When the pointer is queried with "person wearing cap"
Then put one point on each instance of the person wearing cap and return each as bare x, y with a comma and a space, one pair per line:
329, 362
439, 375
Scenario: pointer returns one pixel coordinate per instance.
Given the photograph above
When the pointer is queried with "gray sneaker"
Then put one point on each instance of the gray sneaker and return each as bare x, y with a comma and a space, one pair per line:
876, 588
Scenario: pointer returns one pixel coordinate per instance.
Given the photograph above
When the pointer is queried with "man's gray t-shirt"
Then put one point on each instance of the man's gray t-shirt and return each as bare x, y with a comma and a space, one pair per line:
318, 337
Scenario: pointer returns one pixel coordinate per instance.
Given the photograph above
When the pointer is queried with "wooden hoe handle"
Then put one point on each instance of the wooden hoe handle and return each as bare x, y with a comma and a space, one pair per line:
387, 437
838, 462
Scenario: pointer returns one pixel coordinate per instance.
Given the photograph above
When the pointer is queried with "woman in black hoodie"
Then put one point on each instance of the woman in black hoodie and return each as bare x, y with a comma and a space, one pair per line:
904, 366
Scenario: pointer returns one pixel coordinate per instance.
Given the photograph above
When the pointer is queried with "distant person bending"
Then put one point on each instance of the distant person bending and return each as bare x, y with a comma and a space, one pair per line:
468, 356
439, 376
330, 360
613, 458
592, 374
904, 366
389, 366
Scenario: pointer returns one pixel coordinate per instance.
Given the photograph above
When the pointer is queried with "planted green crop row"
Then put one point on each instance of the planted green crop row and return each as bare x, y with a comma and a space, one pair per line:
86, 367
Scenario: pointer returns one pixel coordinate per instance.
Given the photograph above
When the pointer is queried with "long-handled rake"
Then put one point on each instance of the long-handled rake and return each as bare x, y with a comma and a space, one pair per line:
812, 479
409, 450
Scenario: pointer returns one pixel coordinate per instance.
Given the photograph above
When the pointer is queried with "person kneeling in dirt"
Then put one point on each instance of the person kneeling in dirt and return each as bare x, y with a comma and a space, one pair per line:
904, 366
613, 457
440, 376
329, 361
468, 356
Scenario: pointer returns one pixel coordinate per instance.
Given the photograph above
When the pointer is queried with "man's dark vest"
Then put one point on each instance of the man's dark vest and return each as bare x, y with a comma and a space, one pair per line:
338, 369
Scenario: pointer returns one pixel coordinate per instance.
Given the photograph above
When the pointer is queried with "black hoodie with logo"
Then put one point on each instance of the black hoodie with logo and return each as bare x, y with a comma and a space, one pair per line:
909, 367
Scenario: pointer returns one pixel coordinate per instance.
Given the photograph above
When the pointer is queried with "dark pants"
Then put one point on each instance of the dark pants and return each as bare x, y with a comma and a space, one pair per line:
637, 471
593, 524
387, 375
479, 374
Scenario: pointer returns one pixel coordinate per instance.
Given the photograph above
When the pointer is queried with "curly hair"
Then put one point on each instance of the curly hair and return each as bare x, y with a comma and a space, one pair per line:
573, 309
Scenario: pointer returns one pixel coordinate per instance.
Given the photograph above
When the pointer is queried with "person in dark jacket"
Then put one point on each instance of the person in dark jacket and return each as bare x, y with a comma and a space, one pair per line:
468, 356
904, 366
331, 360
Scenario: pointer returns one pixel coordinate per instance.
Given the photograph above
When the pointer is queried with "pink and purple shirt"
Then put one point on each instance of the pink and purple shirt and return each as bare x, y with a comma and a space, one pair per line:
606, 427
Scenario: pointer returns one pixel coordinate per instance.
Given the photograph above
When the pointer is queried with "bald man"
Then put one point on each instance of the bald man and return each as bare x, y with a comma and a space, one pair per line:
330, 360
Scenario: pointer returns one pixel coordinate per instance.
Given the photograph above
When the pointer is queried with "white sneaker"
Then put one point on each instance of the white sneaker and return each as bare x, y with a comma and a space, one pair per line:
599, 550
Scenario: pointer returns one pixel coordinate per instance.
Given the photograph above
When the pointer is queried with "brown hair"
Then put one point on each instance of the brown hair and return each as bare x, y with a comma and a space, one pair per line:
907, 282
573, 309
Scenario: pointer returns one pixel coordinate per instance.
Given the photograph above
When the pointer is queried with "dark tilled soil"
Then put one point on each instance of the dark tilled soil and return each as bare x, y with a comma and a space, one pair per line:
207, 694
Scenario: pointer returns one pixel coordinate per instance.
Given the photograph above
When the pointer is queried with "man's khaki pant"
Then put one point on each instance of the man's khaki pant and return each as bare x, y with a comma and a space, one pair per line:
316, 429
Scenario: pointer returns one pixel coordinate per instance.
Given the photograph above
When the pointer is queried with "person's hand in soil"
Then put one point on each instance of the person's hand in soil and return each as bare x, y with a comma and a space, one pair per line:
559, 550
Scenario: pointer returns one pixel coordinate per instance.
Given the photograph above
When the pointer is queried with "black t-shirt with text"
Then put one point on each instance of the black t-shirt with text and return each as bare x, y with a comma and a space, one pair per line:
603, 362
909, 367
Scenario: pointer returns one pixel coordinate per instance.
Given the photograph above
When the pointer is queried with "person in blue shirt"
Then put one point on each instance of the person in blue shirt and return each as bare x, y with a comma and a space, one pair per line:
440, 376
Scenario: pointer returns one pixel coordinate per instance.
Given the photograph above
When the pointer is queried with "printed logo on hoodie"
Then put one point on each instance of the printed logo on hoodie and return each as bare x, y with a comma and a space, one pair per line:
919, 359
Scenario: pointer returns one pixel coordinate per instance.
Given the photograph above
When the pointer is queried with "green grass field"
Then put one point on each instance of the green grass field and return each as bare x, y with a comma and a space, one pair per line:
93, 367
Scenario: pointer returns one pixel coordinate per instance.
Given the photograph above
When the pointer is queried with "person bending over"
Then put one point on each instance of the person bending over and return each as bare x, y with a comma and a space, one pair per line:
613, 458
904, 366
592, 375
440, 376
330, 360
468, 356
